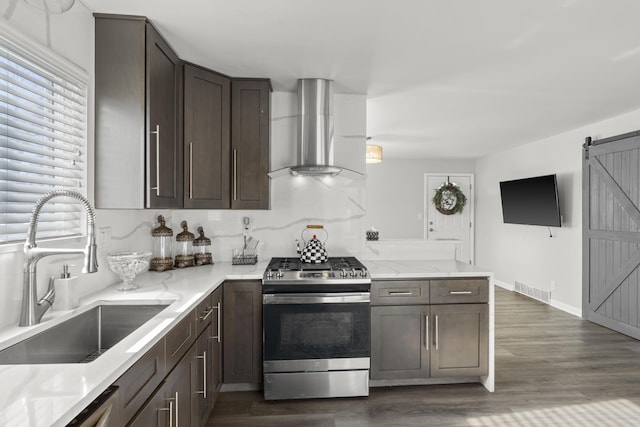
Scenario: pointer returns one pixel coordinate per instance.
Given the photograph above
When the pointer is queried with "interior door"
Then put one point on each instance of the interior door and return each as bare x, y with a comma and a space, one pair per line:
611, 235
459, 226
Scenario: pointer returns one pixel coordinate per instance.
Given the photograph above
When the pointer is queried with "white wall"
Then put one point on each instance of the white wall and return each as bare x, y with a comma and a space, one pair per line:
395, 194
526, 253
336, 203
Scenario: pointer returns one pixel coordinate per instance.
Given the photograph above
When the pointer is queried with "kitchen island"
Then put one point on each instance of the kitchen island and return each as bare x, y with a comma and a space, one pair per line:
432, 322
51, 395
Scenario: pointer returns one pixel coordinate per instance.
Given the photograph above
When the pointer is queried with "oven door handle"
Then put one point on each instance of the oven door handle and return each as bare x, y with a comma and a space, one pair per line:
316, 298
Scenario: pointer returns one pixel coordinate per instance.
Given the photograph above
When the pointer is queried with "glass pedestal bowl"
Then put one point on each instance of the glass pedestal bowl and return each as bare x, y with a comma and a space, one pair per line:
127, 265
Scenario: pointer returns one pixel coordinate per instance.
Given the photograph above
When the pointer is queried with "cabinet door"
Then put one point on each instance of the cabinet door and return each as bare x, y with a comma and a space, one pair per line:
215, 342
171, 404
163, 142
460, 344
242, 331
202, 393
250, 124
207, 144
400, 342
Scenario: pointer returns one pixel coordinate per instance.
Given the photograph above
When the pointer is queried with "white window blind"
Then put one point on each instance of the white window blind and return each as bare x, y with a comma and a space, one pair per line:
42, 141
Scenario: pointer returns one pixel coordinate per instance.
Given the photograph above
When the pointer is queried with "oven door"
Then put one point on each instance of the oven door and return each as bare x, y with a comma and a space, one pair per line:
316, 331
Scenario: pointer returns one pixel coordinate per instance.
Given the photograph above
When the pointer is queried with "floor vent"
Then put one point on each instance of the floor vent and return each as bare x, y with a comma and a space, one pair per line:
534, 293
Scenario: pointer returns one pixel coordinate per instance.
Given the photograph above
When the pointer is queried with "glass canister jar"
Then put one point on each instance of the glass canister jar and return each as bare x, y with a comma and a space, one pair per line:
184, 249
162, 258
202, 249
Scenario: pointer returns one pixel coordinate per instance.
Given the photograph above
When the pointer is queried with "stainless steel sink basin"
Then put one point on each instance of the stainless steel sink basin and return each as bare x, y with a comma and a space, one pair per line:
82, 338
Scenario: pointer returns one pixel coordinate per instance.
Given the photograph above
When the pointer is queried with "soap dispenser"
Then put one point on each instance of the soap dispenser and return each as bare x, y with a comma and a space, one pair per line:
66, 288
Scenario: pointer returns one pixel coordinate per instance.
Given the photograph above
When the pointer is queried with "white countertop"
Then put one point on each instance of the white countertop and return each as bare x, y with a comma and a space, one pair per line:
398, 269
51, 395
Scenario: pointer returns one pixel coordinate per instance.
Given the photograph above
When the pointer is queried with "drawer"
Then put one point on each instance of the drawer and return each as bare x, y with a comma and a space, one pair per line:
179, 339
399, 292
140, 380
204, 314
454, 291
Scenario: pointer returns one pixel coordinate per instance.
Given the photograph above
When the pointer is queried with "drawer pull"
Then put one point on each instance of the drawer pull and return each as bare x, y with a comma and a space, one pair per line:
437, 334
218, 336
206, 314
398, 293
460, 292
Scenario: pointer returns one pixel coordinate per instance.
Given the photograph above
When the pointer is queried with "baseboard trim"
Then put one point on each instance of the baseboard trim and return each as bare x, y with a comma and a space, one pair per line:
553, 303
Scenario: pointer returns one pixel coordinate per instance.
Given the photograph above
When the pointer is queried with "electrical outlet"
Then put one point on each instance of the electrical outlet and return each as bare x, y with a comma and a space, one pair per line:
104, 237
246, 227
553, 285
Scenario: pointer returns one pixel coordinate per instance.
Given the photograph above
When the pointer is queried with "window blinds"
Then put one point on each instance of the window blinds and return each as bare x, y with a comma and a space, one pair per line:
42, 142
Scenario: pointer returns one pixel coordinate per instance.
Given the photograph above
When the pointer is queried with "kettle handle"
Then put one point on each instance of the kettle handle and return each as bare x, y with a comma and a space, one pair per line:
315, 227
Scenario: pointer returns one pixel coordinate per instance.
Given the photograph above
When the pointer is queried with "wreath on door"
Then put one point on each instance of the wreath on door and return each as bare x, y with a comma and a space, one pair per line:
449, 199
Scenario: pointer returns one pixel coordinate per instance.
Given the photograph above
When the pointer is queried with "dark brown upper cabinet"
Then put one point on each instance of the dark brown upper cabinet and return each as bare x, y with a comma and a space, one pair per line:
138, 130
250, 143
207, 143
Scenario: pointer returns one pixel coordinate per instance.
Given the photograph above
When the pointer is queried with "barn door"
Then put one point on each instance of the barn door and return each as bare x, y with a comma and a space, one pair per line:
611, 233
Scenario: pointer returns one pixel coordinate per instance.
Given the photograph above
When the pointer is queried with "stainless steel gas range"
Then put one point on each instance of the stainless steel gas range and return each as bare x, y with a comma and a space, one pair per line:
316, 328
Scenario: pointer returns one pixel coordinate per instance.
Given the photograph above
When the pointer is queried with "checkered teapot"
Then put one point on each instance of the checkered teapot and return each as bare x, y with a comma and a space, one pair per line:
314, 250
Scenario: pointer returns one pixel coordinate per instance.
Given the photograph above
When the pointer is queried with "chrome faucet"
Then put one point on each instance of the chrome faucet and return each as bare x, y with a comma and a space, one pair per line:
32, 308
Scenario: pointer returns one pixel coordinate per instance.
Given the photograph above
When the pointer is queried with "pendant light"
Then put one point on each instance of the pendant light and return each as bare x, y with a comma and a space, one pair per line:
374, 153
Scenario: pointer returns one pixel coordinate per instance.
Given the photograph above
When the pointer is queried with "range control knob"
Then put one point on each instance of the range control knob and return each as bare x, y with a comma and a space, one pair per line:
343, 273
279, 273
363, 272
269, 274
353, 272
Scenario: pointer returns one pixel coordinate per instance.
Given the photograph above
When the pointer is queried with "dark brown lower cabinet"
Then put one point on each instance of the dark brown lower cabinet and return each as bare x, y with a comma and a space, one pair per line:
399, 342
209, 362
242, 330
411, 340
171, 404
461, 340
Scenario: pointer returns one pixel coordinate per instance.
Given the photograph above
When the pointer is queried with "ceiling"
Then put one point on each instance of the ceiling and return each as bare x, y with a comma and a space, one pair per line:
443, 78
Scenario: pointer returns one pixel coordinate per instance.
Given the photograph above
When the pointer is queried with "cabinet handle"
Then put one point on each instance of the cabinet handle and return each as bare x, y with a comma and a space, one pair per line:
204, 374
460, 292
398, 293
157, 187
206, 313
170, 409
426, 331
437, 332
218, 336
235, 174
191, 170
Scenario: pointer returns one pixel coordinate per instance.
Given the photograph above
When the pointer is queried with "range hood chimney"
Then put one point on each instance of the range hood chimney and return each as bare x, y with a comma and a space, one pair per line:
315, 128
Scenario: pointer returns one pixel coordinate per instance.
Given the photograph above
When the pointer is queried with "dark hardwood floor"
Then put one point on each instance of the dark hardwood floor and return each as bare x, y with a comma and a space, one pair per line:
552, 369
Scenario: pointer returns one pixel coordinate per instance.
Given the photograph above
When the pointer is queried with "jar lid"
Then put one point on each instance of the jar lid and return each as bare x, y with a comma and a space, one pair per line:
162, 229
185, 236
202, 240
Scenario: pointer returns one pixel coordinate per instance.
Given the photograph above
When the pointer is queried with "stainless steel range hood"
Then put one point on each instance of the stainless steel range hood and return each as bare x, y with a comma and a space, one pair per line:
315, 128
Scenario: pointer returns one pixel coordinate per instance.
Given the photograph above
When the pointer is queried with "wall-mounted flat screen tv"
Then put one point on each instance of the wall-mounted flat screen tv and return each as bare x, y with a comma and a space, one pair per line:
531, 201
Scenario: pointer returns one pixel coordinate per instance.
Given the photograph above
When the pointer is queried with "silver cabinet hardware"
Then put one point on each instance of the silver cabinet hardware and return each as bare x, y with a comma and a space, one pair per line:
460, 292
204, 374
426, 331
191, 170
172, 416
235, 174
207, 313
397, 293
437, 332
157, 134
218, 335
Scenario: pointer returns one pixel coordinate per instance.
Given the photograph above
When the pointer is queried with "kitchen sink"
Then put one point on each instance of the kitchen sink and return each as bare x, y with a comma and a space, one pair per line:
82, 338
